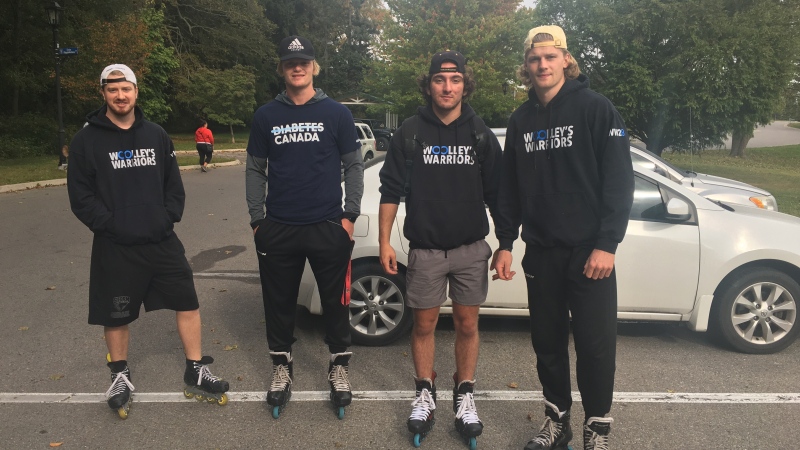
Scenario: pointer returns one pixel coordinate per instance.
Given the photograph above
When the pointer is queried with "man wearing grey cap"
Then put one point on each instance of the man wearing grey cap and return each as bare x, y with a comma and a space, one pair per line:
445, 162
125, 185
303, 139
568, 180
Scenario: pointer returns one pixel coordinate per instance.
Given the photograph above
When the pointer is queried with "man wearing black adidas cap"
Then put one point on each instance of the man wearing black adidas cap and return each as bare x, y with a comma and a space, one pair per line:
304, 139
444, 161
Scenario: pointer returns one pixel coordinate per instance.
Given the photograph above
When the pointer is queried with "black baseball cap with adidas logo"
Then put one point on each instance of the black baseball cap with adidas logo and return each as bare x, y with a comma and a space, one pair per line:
295, 47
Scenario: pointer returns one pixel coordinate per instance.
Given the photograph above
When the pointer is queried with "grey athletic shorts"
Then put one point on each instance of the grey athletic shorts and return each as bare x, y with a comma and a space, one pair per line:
465, 268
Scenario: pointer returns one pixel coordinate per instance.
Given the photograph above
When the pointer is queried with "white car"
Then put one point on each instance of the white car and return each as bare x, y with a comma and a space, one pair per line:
365, 136
709, 186
684, 258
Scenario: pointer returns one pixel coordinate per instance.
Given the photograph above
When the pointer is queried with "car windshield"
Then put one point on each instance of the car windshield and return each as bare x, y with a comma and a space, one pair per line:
659, 159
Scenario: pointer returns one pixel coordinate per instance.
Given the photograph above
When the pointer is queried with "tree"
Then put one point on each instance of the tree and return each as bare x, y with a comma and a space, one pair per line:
488, 32
668, 63
223, 96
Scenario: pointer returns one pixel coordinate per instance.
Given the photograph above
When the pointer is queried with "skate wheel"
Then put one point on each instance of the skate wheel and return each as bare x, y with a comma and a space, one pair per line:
417, 440
340, 413
473, 443
187, 394
123, 413
199, 397
211, 400
276, 412
223, 400
108, 357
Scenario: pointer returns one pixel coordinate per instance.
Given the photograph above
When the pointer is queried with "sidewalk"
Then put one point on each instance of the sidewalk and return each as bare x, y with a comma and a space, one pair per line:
63, 181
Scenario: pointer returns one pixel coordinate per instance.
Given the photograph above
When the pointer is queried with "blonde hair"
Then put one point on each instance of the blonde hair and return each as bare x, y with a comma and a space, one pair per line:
571, 72
317, 68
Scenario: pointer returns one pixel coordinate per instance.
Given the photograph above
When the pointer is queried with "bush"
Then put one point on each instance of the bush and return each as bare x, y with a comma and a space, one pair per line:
28, 135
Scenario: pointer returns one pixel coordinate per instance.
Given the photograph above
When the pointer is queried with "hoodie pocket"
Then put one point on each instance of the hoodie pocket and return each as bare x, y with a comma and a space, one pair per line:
139, 224
562, 219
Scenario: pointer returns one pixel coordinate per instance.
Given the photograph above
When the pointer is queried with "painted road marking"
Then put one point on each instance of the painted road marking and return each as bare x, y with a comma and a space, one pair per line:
314, 396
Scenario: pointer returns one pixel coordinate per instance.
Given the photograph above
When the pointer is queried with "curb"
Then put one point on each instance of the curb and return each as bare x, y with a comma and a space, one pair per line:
63, 181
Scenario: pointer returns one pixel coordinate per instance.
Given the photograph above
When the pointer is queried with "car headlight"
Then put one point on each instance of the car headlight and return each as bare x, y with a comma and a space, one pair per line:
765, 202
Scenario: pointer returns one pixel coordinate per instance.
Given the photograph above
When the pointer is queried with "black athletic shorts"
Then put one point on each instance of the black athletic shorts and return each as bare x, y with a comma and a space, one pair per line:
123, 277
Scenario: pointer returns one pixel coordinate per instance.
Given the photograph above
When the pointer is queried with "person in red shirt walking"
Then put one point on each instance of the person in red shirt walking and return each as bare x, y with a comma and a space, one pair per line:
205, 145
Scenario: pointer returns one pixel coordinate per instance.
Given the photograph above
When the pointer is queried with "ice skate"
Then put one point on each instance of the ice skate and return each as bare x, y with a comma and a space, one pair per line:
341, 392
119, 394
421, 420
556, 431
595, 433
280, 391
202, 385
467, 423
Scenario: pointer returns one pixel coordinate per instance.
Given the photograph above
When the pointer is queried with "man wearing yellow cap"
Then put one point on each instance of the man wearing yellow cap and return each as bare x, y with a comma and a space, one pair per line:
568, 180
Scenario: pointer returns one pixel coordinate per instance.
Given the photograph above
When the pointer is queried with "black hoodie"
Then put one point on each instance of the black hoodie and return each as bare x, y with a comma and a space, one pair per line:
567, 172
449, 188
125, 184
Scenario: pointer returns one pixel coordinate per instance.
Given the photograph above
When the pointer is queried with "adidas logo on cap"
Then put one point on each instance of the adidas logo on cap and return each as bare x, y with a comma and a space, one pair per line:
296, 47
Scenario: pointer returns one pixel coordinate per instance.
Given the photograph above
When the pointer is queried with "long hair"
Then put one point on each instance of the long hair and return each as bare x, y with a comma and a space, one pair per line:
424, 83
571, 72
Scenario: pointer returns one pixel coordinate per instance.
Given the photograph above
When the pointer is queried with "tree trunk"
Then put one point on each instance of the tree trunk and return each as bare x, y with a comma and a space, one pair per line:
739, 142
233, 139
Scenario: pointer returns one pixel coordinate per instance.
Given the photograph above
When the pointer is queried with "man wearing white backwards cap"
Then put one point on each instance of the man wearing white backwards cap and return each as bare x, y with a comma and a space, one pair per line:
568, 180
125, 185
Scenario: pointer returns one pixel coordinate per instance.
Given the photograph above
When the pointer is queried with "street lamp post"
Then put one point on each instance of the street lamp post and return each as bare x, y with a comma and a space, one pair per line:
54, 18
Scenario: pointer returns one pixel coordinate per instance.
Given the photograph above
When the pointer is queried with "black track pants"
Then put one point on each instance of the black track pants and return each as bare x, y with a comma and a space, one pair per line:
205, 151
556, 287
282, 252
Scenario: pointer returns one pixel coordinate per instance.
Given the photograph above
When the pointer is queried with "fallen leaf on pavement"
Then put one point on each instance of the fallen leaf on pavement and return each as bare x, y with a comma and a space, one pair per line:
223, 290
513, 385
56, 444
50, 288
56, 377
230, 347
23, 328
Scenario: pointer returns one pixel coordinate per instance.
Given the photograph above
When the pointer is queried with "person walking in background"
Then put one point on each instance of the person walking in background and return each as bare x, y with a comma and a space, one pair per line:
304, 139
455, 160
568, 180
125, 185
205, 145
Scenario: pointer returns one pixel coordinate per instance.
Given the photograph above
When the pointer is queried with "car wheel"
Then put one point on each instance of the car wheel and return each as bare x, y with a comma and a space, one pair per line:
378, 311
757, 312
383, 144
368, 156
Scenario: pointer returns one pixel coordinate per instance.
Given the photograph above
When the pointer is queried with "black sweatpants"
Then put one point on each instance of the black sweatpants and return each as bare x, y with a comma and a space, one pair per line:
205, 151
556, 287
282, 252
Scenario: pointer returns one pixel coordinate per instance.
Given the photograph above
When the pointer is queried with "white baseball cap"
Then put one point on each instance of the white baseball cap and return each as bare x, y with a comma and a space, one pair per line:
127, 74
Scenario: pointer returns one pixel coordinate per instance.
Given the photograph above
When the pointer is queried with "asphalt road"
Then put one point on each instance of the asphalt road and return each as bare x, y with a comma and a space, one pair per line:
733, 401
775, 134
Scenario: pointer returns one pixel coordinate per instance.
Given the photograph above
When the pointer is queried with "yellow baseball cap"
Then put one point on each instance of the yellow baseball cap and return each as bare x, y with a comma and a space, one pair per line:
559, 38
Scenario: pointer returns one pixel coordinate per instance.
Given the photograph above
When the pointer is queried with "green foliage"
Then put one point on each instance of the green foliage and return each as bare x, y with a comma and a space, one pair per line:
27, 135
226, 97
488, 32
160, 63
721, 64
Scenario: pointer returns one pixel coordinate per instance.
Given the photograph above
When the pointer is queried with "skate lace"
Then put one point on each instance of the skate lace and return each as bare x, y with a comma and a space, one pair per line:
280, 377
204, 373
118, 385
422, 406
598, 441
338, 376
466, 409
547, 435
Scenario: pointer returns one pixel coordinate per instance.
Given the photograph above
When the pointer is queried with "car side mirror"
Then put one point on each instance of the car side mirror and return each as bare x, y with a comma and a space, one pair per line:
678, 210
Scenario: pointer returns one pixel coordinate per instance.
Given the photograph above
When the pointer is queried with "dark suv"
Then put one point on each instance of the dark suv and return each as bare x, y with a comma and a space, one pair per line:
382, 134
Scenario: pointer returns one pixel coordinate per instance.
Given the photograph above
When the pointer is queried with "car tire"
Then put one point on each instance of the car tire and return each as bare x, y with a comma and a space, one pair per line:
369, 155
382, 144
757, 311
378, 311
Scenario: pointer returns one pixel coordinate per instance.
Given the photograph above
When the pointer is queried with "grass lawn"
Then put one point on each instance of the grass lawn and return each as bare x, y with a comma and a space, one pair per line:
40, 168
775, 169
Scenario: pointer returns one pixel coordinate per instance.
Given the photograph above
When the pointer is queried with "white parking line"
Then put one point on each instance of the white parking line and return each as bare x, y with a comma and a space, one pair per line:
309, 396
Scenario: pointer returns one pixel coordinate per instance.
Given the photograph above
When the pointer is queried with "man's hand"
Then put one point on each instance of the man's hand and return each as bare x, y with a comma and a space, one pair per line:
599, 265
501, 262
349, 227
388, 259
